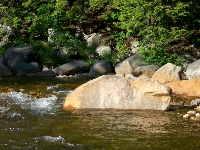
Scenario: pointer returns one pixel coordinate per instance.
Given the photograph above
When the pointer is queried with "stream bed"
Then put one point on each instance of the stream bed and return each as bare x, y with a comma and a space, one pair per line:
31, 117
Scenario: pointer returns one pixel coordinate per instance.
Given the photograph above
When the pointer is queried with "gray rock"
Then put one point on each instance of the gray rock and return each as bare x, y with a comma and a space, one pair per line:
195, 102
101, 50
101, 68
16, 55
187, 59
2, 59
94, 40
74, 67
168, 73
128, 65
45, 68
134, 46
117, 92
4, 71
17, 58
193, 70
145, 70
21, 74
31, 67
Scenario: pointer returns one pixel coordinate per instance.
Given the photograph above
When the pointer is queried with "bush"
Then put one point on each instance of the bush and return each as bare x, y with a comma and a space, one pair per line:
152, 22
157, 54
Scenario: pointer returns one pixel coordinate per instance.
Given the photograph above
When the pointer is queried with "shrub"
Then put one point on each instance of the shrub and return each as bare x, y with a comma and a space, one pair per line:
157, 54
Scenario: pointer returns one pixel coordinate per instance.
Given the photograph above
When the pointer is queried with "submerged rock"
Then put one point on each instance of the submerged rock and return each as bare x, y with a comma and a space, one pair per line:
118, 92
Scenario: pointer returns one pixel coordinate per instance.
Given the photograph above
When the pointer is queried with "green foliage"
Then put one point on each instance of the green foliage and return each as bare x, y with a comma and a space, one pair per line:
109, 57
72, 46
156, 22
46, 55
14, 42
3, 49
157, 54
152, 22
121, 47
2, 33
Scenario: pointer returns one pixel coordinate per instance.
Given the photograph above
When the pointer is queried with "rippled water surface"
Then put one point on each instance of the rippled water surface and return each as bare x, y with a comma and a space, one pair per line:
31, 117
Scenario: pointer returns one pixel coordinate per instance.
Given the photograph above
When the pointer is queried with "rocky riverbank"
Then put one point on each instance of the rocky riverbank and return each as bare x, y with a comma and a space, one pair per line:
182, 83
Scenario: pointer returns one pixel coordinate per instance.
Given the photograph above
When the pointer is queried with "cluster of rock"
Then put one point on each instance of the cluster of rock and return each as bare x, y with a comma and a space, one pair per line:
17, 62
135, 86
132, 85
192, 115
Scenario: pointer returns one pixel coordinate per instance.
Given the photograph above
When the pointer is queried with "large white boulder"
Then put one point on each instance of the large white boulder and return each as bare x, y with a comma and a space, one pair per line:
118, 92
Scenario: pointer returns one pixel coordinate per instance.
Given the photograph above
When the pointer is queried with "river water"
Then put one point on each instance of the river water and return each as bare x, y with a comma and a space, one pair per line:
31, 117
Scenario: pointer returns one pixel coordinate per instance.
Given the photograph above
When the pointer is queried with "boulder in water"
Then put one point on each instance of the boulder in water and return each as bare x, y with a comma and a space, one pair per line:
4, 71
74, 67
186, 88
118, 92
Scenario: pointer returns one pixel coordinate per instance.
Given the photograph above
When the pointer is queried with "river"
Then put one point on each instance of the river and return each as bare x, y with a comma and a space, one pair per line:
31, 117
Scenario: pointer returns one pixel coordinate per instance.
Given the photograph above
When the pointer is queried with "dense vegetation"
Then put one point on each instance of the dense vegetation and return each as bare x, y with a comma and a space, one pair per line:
165, 28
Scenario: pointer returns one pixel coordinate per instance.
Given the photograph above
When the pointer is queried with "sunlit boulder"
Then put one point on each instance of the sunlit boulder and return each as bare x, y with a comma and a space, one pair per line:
118, 92
186, 88
168, 73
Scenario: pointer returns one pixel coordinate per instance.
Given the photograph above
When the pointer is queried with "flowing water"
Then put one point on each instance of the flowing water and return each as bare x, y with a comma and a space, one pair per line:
31, 117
